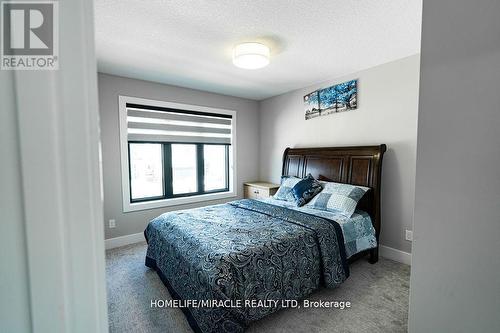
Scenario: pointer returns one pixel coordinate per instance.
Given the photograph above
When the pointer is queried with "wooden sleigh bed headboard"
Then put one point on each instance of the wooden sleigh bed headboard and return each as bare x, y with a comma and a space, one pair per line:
357, 165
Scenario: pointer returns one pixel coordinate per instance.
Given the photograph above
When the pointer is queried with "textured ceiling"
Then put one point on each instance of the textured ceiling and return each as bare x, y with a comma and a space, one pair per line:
188, 42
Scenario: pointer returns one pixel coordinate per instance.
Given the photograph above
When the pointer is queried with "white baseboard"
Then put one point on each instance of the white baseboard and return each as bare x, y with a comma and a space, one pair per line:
111, 243
394, 254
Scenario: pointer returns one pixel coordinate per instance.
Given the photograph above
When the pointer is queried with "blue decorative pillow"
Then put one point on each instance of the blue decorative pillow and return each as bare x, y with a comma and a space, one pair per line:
285, 191
305, 190
338, 197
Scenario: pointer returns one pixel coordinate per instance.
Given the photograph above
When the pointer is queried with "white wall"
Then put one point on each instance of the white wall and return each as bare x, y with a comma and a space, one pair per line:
387, 113
455, 280
110, 87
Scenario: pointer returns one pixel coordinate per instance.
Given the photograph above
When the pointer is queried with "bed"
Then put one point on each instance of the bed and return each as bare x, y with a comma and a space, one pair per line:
218, 259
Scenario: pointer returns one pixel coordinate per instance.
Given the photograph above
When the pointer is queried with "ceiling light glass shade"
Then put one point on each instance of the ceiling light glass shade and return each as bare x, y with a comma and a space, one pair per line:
251, 55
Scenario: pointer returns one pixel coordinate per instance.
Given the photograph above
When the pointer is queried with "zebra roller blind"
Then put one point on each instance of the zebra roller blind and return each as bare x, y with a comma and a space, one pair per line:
158, 124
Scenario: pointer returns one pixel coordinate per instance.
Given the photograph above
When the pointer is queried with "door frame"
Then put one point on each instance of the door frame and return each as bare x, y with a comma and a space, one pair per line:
60, 172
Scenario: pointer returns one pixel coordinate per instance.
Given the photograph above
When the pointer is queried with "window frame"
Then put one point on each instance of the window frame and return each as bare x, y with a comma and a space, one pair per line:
168, 199
166, 152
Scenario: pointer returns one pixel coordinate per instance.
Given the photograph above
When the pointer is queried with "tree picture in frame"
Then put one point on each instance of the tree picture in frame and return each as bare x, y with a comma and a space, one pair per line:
311, 105
337, 98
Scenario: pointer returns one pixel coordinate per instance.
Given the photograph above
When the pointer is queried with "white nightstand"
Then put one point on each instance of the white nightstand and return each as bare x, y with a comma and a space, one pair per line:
259, 190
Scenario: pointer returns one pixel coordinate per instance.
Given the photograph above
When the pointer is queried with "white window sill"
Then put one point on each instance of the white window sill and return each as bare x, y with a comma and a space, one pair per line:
132, 207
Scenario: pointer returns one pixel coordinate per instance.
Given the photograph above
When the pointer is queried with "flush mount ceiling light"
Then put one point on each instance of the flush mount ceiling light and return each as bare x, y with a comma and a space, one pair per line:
251, 55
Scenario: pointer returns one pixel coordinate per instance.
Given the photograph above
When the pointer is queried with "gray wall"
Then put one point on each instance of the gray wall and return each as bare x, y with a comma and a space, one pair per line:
109, 88
456, 255
387, 113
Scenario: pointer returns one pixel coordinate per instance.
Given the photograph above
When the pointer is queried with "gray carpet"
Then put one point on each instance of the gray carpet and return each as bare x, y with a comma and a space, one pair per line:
378, 293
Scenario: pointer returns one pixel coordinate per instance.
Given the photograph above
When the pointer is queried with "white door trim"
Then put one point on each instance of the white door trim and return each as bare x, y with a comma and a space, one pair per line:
58, 123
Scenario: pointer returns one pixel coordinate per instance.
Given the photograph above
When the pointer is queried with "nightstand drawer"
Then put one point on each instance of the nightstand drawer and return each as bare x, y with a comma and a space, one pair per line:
252, 192
259, 190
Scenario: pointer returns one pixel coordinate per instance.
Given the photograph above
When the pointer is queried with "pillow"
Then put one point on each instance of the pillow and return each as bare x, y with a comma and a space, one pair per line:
285, 191
338, 197
305, 190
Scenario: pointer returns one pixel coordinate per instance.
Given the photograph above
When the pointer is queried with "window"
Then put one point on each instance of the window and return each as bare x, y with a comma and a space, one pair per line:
170, 170
184, 169
215, 167
174, 154
146, 171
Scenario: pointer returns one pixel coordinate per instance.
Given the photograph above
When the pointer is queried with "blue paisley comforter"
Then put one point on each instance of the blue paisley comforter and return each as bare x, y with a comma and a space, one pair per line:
243, 250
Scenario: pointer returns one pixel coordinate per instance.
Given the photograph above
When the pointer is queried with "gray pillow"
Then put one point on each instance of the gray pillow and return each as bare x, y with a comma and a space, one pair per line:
338, 197
285, 191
